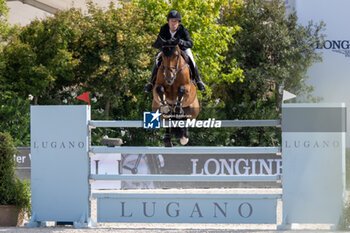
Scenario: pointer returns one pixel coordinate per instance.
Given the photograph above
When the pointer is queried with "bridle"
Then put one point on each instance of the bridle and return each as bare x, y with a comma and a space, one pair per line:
170, 68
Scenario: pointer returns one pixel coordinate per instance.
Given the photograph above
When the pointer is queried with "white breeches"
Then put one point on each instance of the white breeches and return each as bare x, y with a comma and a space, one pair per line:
190, 55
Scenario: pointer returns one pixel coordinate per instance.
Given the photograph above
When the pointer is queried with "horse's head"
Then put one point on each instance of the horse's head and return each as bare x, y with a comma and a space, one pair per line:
171, 59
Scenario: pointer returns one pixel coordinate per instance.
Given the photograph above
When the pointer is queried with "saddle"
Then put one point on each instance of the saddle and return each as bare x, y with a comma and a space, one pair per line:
190, 65
184, 55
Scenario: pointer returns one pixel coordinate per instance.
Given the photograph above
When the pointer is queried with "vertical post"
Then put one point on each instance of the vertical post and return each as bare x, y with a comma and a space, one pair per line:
60, 164
313, 156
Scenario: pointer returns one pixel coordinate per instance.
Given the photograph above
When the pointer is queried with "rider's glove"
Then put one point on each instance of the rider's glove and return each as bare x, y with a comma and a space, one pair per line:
181, 42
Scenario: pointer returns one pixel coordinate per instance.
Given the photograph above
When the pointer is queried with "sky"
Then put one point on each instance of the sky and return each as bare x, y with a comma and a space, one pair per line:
23, 14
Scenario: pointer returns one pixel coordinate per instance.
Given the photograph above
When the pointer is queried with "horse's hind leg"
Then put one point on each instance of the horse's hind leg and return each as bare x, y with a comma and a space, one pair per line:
179, 112
164, 107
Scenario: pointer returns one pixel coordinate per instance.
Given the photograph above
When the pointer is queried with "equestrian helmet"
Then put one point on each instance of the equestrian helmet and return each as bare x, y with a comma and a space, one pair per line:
174, 15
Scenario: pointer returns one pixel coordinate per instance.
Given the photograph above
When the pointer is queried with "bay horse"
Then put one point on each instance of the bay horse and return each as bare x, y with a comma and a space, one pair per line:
174, 93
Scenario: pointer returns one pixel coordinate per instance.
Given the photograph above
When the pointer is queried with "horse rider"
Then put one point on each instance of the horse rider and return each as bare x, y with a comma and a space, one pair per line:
171, 31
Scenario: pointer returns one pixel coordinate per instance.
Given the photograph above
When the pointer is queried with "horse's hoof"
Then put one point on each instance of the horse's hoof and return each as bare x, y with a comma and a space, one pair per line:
184, 141
164, 109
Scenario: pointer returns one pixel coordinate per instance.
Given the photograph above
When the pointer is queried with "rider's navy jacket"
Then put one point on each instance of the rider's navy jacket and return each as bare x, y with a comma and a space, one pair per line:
181, 33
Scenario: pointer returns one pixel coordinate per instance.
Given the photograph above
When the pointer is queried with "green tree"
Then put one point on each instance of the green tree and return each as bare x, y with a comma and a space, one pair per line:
15, 117
275, 52
104, 52
14, 110
13, 191
210, 39
35, 60
114, 50
108, 52
4, 26
39, 58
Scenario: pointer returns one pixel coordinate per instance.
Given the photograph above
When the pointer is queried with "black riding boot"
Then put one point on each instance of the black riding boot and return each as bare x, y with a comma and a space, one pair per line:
200, 84
150, 84
196, 77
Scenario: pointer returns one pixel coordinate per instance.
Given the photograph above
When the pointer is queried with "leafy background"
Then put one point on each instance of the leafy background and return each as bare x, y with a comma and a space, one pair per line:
246, 51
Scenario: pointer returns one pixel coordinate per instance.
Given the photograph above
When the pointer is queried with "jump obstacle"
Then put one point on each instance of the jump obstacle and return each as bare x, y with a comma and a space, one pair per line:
313, 178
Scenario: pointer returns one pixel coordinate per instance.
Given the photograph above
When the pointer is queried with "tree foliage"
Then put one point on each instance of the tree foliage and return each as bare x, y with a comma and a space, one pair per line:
15, 117
210, 39
12, 190
40, 58
274, 52
272, 48
14, 110
3, 19
246, 52
114, 53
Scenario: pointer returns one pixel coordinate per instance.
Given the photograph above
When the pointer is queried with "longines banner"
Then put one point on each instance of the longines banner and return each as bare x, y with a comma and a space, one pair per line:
220, 165
171, 164
203, 164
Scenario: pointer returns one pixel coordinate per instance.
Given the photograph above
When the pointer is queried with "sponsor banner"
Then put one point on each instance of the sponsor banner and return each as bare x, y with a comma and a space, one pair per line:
223, 164
175, 164
189, 208
220, 165
22, 163
105, 164
340, 46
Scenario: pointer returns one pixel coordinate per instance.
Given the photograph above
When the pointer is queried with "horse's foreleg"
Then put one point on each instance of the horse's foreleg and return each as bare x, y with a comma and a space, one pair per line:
167, 138
180, 95
164, 107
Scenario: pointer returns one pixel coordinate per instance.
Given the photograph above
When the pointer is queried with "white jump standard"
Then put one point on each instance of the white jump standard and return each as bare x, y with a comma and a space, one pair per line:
313, 177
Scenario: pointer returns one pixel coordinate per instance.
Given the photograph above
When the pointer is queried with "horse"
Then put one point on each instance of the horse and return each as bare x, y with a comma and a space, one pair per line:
174, 93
